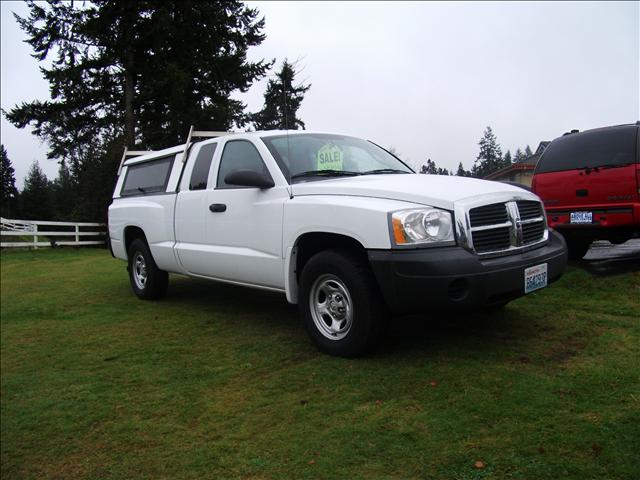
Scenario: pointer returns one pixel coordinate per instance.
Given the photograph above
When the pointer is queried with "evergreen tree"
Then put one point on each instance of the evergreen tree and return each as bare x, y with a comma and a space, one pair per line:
519, 156
143, 69
461, 172
138, 73
490, 157
429, 167
36, 196
506, 160
281, 102
527, 151
64, 194
9, 191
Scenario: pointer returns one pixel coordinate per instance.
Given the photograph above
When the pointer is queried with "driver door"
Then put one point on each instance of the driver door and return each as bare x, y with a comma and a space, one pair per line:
243, 225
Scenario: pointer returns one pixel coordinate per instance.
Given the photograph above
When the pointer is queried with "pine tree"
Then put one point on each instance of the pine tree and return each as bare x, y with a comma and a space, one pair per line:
36, 196
141, 69
64, 194
527, 151
9, 191
506, 160
490, 157
136, 73
429, 167
281, 102
519, 156
461, 172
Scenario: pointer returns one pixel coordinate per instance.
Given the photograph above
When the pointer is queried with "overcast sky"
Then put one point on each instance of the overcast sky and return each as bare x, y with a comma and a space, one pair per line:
425, 78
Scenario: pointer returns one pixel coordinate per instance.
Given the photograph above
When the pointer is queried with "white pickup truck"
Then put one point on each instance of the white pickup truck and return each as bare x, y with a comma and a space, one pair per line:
339, 225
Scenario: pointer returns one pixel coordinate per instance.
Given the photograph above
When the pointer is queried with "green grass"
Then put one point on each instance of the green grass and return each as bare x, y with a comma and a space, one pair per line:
222, 382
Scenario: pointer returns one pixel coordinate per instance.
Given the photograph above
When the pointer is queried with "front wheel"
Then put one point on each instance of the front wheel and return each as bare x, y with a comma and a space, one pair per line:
147, 280
340, 304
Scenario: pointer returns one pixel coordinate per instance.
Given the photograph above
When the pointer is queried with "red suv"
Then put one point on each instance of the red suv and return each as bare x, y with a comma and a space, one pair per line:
590, 184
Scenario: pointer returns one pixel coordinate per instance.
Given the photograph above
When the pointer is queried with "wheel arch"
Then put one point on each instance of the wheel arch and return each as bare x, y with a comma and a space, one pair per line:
306, 246
132, 232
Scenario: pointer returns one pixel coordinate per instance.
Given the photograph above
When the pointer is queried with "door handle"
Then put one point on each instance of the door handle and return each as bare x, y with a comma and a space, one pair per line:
218, 207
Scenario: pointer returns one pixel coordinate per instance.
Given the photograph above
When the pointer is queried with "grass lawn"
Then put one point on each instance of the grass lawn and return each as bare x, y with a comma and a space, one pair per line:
221, 382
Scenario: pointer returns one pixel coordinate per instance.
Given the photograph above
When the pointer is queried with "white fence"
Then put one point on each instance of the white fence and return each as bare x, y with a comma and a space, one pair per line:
49, 234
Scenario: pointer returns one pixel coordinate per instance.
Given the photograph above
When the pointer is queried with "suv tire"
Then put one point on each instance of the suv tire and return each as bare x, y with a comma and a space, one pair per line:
340, 304
147, 280
577, 247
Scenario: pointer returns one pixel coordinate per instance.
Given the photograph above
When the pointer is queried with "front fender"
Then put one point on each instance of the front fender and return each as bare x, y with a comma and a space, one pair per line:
364, 219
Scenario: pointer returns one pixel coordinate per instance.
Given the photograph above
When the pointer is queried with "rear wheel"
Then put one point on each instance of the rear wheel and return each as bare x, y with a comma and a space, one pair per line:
147, 280
577, 247
340, 304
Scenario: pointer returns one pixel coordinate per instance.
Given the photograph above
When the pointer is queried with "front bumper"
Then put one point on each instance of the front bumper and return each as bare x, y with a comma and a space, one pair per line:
452, 278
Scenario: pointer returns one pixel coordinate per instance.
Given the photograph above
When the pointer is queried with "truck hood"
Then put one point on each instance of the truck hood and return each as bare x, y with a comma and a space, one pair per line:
439, 191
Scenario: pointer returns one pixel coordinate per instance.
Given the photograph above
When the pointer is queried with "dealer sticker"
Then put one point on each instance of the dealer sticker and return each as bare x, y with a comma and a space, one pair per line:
535, 278
329, 157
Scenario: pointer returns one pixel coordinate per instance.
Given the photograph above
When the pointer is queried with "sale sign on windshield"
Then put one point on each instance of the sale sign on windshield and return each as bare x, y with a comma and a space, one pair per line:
329, 157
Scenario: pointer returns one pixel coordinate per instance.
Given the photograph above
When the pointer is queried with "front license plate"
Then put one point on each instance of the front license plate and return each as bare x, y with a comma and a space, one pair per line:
535, 278
581, 217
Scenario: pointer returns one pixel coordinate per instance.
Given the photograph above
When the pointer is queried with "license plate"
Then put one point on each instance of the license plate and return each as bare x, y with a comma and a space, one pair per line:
581, 217
535, 278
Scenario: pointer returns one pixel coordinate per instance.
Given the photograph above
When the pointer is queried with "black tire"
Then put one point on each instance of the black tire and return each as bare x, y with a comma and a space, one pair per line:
577, 247
155, 281
368, 311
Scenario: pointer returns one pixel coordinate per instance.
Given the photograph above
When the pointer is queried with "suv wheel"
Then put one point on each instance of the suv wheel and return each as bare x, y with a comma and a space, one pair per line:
340, 304
147, 280
577, 247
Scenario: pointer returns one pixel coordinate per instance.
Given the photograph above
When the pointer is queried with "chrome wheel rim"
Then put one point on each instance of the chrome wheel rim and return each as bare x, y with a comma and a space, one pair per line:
331, 307
139, 271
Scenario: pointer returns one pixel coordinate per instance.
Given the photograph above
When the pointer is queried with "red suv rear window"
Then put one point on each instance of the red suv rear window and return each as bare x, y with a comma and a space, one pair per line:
606, 147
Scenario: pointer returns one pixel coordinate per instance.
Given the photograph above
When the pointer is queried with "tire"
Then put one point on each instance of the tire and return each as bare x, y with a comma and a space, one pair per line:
577, 247
147, 280
354, 322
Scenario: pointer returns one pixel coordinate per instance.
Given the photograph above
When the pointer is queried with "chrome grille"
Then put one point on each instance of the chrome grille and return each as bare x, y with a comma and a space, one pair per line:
529, 209
532, 232
488, 215
491, 239
500, 227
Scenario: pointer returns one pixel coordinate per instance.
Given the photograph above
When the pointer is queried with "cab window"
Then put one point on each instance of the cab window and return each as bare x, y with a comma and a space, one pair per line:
201, 167
147, 177
239, 154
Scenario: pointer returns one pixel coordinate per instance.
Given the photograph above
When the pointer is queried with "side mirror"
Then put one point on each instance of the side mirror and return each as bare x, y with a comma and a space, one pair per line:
248, 178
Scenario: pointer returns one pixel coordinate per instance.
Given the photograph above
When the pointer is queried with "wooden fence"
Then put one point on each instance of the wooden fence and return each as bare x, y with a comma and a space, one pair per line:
36, 233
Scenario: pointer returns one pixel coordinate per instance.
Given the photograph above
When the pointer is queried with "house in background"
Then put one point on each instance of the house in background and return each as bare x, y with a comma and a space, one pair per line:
520, 172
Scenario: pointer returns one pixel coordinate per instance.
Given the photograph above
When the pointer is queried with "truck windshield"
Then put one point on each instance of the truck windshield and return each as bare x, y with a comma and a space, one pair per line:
312, 156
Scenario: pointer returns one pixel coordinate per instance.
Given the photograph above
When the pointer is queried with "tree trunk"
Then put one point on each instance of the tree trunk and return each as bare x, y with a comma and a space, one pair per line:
129, 121
128, 36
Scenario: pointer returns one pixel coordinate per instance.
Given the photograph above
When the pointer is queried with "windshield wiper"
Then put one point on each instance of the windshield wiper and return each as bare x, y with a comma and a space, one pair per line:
325, 173
604, 167
383, 170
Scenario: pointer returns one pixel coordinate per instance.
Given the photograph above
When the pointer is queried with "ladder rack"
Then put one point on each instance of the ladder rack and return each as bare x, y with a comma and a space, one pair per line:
200, 134
131, 153
193, 134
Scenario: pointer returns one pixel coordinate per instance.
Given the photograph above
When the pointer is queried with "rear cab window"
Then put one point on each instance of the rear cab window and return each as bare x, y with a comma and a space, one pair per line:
607, 147
148, 177
200, 172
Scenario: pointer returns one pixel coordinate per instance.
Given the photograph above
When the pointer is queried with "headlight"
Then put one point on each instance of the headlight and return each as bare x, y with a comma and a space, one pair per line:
421, 226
